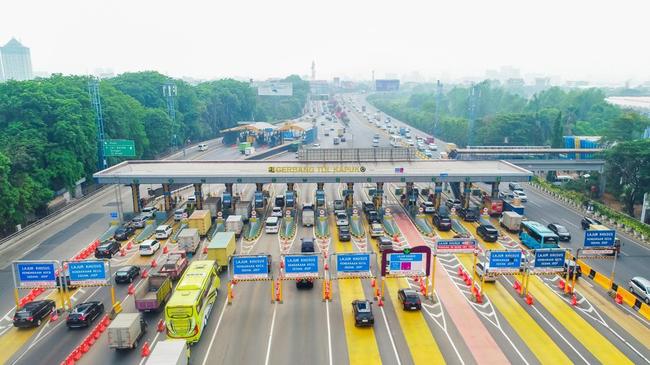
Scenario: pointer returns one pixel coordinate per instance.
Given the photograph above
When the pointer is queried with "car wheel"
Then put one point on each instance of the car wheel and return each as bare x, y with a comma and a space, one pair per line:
647, 300
631, 289
38, 323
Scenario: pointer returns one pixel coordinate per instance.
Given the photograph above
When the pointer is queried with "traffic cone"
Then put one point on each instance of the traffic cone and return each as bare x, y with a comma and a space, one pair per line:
144, 274
325, 254
516, 285
373, 282
460, 271
54, 316
326, 267
129, 245
154, 263
529, 299
76, 354
131, 289
90, 339
205, 250
161, 326
97, 333
85, 347
122, 252
281, 264
380, 303
165, 249
146, 351
574, 300
68, 360
561, 284
618, 299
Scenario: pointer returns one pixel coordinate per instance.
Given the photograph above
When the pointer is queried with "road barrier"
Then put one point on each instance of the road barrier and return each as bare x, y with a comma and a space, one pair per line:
87, 342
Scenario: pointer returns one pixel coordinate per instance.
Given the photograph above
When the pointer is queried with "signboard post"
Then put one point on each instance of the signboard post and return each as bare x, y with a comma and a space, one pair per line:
119, 148
36, 274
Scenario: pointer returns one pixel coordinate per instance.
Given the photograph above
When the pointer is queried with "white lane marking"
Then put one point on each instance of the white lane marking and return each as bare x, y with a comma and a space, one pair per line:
390, 336
553, 327
34, 343
329, 331
571, 223
533, 203
268, 346
153, 342
214, 333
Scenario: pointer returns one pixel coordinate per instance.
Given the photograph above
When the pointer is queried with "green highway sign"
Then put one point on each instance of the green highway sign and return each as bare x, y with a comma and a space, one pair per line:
119, 148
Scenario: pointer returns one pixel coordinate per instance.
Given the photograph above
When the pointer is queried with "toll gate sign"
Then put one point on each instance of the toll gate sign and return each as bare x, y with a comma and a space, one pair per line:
251, 267
37, 274
89, 273
353, 263
456, 245
414, 261
301, 266
600, 238
549, 260
504, 262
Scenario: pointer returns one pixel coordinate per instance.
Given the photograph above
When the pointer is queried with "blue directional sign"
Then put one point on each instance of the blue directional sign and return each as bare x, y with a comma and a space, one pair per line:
504, 261
600, 238
549, 259
113, 215
35, 274
300, 266
455, 245
250, 267
91, 272
353, 262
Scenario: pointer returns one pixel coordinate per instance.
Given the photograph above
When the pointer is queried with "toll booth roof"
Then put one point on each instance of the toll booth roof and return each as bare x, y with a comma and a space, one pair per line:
219, 172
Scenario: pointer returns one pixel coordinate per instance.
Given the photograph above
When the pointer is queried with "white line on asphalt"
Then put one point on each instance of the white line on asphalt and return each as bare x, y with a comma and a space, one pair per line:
268, 346
153, 343
214, 333
329, 332
553, 327
35, 342
569, 222
533, 203
390, 336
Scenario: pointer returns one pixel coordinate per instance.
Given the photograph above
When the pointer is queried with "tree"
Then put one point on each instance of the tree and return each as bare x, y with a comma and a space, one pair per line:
630, 161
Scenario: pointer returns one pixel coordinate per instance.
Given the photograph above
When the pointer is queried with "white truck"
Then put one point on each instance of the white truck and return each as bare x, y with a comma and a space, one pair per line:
126, 330
308, 215
511, 221
188, 240
235, 223
169, 352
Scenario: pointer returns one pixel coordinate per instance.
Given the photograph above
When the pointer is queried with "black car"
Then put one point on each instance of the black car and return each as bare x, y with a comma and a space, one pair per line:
487, 232
107, 250
124, 232
127, 274
83, 314
363, 313
560, 231
514, 186
368, 206
306, 246
441, 219
409, 299
33, 313
344, 233
470, 214
586, 222
572, 266
373, 217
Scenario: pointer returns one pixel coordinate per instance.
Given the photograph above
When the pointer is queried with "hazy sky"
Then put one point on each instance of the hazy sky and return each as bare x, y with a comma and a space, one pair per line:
572, 39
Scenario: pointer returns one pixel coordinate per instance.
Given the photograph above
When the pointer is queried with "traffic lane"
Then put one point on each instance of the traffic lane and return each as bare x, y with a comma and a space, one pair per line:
301, 331
632, 261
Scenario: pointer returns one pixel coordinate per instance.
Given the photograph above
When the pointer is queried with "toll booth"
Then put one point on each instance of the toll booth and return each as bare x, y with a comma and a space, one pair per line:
320, 198
260, 200
226, 201
290, 199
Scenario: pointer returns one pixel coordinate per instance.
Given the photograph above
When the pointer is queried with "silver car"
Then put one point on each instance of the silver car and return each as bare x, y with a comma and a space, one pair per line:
641, 287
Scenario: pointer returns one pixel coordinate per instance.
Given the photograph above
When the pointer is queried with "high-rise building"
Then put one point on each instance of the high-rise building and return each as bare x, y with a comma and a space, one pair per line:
15, 62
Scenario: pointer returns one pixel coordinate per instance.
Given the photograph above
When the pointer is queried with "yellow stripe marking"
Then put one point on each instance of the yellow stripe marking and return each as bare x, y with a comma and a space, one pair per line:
361, 342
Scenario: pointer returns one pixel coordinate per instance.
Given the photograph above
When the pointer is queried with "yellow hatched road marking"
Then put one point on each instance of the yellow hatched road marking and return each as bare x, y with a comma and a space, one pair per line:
361, 342
537, 340
418, 336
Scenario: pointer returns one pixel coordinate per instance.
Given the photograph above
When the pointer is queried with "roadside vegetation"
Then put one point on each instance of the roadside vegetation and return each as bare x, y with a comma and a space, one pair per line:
48, 133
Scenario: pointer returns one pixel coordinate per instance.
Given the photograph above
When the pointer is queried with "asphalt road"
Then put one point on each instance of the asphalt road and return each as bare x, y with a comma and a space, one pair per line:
304, 328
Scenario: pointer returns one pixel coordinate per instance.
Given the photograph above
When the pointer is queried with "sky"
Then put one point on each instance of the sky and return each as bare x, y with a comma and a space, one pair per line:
599, 41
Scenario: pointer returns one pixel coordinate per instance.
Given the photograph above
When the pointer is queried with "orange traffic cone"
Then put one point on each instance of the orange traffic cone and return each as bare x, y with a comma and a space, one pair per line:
76, 354
146, 351
131, 289
144, 274
165, 249
574, 300
161, 326
326, 267
373, 282
154, 263
619, 299
560, 284
129, 245
122, 252
529, 299
205, 250
54, 316
380, 303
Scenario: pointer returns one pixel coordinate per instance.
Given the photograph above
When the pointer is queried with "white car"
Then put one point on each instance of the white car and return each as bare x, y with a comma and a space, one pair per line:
410, 142
376, 230
149, 247
276, 212
342, 219
480, 270
203, 146
433, 146
163, 232
272, 224
521, 195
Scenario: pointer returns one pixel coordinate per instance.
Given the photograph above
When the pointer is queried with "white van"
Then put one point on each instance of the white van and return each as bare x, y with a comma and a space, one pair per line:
272, 225
149, 247
203, 146
163, 232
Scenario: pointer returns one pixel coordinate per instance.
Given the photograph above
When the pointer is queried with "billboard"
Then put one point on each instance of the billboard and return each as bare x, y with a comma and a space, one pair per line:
319, 87
386, 85
273, 88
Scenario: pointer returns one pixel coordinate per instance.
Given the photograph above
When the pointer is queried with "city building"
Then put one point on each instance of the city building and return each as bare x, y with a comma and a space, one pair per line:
15, 62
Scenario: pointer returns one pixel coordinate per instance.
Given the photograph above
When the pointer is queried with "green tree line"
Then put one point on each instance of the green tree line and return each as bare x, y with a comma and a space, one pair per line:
48, 134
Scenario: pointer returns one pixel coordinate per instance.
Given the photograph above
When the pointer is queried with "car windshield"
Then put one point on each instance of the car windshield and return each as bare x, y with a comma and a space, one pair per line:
490, 230
363, 307
562, 229
345, 229
122, 273
25, 313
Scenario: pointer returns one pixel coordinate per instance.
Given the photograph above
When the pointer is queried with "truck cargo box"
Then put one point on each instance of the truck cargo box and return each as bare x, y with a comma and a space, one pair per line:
221, 247
201, 221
